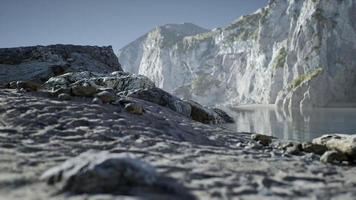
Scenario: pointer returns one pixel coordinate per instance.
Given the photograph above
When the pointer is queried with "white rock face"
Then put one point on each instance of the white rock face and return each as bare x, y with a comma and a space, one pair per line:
293, 53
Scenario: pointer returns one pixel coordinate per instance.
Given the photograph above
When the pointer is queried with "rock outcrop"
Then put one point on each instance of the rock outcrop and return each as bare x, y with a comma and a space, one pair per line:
106, 88
39, 63
293, 53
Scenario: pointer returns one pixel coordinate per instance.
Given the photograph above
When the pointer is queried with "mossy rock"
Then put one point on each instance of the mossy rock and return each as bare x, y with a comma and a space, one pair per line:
305, 77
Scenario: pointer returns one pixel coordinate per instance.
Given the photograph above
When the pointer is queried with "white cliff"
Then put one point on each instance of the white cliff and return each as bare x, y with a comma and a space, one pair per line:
293, 53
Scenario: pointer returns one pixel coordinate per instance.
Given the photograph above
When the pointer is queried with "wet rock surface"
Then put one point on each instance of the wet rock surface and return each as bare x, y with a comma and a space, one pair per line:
38, 133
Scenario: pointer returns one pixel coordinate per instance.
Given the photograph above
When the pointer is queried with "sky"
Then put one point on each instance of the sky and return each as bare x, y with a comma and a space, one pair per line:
108, 22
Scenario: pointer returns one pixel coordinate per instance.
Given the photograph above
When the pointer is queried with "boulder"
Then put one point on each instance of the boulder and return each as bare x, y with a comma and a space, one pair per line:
224, 115
39, 63
28, 85
207, 115
345, 144
102, 172
263, 139
314, 148
163, 98
333, 156
189, 109
117, 82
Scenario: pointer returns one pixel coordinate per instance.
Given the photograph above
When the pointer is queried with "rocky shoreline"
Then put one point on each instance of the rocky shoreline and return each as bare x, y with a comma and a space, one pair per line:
113, 135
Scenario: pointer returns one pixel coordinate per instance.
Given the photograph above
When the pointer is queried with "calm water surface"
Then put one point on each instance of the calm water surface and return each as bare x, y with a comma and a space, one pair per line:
295, 125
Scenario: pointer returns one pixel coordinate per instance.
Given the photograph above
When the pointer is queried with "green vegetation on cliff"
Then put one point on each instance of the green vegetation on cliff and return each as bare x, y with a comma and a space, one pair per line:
305, 77
280, 59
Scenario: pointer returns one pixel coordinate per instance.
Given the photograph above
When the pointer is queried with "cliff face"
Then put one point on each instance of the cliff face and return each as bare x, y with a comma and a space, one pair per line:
39, 63
293, 53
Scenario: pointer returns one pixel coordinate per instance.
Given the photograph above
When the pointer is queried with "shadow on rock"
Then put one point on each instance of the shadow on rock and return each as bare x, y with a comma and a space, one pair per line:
117, 174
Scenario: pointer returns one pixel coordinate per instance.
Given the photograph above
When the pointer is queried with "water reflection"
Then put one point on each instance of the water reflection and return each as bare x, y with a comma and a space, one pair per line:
294, 125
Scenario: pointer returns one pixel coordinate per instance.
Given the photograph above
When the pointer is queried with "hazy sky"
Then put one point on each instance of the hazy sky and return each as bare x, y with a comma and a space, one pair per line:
107, 22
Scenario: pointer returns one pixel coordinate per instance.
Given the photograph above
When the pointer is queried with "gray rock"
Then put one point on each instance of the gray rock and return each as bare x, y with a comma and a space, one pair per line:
163, 98
333, 156
224, 115
135, 86
189, 109
314, 148
106, 97
207, 115
39, 63
345, 144
263, 139
28, 85
118, 82
12, 85
134, 108
295, 149
96, 100
85, 90
64, 96
101, 172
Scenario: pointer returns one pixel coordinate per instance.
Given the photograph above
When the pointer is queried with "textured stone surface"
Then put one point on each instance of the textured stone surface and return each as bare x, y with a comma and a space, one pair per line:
345, 144
118, 81
263, 139
284, 53
39, 63
333, 156
102, 172
189, 109
134, 108
38, 133
106, 97
314, 148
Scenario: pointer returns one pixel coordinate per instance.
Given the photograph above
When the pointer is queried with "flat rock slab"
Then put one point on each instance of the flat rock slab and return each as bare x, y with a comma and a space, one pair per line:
38, 133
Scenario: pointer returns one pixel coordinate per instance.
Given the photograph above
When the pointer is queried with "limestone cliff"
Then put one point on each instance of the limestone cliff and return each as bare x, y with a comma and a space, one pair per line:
295, 53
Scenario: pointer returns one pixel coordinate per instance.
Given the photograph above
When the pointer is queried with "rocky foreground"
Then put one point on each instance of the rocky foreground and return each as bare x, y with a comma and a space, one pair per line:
83, 134
183, 159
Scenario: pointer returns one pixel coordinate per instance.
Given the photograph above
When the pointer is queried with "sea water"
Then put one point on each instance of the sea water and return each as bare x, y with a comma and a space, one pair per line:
292, 125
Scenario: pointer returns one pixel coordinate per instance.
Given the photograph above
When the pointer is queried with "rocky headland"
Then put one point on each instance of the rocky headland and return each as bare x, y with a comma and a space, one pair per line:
78, 127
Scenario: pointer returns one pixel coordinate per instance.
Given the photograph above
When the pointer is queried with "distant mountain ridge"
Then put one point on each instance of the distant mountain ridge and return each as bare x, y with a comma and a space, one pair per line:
293, 53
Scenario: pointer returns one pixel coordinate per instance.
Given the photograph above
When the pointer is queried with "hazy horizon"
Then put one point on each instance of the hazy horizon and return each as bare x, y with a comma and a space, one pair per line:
110, 22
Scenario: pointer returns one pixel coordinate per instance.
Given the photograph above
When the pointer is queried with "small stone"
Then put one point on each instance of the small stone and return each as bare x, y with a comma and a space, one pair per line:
134, 108
314, 148
294, 149
106, 97
96, 100
83, 90
291, 148
64, 96
59, 91
27, 86
333, 156
12, 85
263, 139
